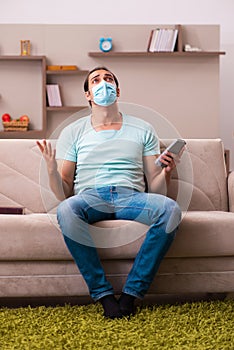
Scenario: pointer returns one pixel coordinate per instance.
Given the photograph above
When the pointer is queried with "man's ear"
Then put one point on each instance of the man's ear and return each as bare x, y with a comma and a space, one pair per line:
118, 92
87, 94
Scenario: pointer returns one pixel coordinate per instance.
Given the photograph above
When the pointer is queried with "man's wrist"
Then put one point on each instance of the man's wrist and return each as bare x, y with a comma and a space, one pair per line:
52, 171
167, 175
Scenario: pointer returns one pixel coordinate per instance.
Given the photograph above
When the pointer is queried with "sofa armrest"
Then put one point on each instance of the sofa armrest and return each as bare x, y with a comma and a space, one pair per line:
231, 191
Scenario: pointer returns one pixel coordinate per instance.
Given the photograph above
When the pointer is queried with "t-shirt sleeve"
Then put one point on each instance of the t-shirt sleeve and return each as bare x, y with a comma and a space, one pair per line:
151, 142
65, 147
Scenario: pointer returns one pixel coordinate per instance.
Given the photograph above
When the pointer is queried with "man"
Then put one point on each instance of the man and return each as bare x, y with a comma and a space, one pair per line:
99, 175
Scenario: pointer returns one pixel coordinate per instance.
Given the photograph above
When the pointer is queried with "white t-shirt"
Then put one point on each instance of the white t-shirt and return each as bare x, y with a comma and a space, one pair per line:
108, 157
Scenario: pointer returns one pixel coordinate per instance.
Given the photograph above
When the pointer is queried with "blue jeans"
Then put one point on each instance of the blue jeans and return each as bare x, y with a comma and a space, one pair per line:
160, 213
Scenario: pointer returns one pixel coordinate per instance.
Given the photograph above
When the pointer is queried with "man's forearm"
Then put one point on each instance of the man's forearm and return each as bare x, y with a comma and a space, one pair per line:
59, 187
160, 183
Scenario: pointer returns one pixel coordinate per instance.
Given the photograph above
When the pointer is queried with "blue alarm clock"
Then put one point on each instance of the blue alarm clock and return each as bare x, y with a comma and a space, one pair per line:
105, 44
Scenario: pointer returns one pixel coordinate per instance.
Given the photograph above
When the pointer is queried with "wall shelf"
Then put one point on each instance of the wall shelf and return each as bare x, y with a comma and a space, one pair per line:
67, 72
65, 108
46, 76
29, 65
62, 77
22, 58
156, 54
22, 134
178, 48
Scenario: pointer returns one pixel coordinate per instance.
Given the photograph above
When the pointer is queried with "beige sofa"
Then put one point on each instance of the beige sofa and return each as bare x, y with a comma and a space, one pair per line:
34, 261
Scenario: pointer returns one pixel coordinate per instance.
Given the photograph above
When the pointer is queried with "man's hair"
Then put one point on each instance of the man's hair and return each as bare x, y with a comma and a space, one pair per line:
86, 83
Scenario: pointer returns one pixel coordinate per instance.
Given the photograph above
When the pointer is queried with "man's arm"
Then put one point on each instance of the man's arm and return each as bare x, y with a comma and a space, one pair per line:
158, 178
61, 173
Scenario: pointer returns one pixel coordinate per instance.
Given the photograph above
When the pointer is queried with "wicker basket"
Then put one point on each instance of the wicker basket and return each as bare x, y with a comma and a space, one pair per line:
15, 125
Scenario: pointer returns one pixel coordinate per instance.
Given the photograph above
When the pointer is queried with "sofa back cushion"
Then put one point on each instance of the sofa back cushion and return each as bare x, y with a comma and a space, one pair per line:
198, 184
200, 179
23, 177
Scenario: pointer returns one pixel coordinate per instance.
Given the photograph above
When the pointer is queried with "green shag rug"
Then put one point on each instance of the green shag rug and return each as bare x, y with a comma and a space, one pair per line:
196, 326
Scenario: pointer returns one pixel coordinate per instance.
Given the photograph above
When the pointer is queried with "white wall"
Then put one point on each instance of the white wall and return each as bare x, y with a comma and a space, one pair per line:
150, 11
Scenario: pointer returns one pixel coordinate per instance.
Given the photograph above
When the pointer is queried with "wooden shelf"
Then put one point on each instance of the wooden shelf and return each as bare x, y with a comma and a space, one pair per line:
21, 134
30, 133
67, 72
156, 54
64, 74
65, 108
22, 58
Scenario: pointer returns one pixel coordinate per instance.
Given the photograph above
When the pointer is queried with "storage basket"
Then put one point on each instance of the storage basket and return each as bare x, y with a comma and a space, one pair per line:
15, 125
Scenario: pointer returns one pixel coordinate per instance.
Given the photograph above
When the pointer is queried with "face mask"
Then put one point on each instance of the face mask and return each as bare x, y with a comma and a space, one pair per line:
104, 94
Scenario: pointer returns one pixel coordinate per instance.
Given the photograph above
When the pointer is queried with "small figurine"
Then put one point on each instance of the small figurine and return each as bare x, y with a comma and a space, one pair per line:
189, 48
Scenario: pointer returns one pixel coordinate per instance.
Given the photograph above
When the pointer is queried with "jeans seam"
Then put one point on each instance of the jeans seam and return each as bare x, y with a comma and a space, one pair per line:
133, 293
101, 295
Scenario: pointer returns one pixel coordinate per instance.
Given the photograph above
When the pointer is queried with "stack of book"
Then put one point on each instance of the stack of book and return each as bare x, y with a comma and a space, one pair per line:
53, 95
162, 40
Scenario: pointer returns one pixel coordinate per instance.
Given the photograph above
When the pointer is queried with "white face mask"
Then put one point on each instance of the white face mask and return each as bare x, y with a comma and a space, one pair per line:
104, 94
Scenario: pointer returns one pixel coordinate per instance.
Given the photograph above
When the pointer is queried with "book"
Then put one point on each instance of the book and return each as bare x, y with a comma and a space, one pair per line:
168, 44
12, 210
158, 41
162, 40
150, 40
53, 94
174, 39
153, 38
61, 68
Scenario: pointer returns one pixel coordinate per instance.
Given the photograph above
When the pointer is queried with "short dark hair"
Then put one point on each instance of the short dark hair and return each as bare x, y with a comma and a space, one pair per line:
86, 82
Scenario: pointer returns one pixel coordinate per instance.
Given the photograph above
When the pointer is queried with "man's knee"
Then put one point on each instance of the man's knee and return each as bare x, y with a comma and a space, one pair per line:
72, 220
70, 210
173, 213
73, 204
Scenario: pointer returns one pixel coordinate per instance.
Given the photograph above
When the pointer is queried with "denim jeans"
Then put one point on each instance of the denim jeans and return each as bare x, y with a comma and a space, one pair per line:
159, 212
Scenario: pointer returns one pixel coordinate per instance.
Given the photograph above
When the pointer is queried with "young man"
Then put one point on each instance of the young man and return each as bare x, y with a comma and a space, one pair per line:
99, 175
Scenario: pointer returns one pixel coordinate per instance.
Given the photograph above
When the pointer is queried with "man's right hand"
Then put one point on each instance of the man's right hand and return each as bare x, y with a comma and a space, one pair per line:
49, 155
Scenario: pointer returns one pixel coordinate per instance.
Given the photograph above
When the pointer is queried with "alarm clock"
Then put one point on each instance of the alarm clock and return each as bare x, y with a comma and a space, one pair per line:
105, 44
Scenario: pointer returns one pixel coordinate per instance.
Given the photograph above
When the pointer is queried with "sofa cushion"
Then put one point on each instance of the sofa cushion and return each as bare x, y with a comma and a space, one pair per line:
200, 179
200, 234
37, 237
31, 237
